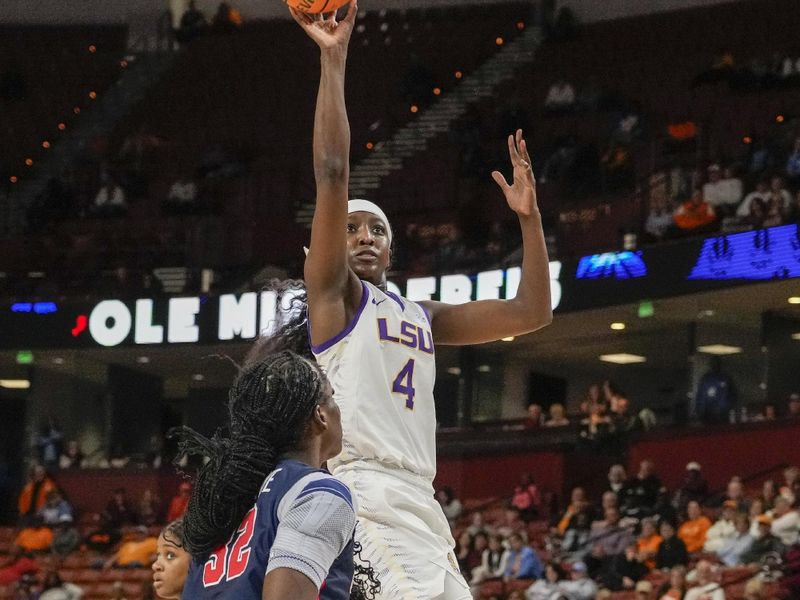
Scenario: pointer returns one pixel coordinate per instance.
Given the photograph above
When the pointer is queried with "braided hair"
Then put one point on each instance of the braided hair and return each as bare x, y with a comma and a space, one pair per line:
270, 404
173, 533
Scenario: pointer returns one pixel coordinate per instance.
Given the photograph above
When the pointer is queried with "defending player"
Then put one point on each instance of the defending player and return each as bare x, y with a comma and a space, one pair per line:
261, 505
378, 348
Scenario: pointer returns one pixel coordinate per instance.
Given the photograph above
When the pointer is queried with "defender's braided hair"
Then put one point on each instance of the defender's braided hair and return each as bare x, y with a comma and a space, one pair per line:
173, 533
271, 404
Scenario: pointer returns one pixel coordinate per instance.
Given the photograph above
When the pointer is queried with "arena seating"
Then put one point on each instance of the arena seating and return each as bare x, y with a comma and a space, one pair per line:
53, 70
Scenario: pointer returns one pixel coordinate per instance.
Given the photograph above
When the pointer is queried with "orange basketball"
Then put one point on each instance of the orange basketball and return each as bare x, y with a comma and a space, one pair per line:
317, 6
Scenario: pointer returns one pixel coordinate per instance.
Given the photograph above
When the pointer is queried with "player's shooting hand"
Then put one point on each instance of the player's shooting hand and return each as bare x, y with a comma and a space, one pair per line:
327, 32
521, 194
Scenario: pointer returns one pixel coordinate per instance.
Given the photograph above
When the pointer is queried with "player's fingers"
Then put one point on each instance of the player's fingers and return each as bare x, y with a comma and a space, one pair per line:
500, 180
298, 16
352, 12
512, 150
523, 146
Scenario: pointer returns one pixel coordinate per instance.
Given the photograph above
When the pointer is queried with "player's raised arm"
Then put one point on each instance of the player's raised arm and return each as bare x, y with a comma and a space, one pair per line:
491, 320
329, 281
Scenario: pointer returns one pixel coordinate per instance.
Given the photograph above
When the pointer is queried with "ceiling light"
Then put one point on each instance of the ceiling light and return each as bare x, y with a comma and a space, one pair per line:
618, 326
58, 361
508, 339
142, 360
15, 384
622, 358
454, 371
707, 313
796, 336
484, 369
198, 377
794, 300
719, 349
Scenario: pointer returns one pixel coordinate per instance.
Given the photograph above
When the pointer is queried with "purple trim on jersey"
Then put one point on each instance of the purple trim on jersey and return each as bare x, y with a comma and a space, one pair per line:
350, 326
396, 298
331, 486
427, 314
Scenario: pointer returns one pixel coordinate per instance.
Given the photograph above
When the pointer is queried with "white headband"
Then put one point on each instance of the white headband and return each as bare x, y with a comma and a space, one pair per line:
371, 208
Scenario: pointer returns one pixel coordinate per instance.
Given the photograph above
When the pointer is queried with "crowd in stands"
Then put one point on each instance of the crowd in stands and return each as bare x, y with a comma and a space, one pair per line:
637, 536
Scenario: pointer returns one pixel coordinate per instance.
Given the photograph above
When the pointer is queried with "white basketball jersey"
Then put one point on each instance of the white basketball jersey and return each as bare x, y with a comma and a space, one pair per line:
382, 369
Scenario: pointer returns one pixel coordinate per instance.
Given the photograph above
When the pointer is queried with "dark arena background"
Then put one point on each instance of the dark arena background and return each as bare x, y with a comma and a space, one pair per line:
156, 175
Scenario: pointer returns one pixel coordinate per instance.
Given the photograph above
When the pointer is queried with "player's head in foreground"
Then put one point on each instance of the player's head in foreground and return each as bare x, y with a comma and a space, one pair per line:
172, 562
281, 406
369, 241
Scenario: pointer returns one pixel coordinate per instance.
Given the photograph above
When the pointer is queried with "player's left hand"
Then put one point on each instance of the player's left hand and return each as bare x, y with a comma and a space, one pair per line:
521, 195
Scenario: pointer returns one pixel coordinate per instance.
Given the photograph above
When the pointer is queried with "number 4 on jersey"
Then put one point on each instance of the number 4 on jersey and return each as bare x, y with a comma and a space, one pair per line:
404, 383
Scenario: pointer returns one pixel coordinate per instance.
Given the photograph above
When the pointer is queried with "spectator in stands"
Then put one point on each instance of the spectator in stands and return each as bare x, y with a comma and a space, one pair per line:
695, 215
48, 443
451, 506
523, 562
723, 529
608, 538
55, 507
478, 525
793, 164
791, 483
578, 504
760, 195
136, 553
227, 19
53, 588
675, 587
110, 199
694, 486
785, 521
181, 198
597, 426
15, 565
576, 538
794, 405
768, 413
616, 479
66, 538
548, 587
535, 418
734, 546
192, 25
735, 493
659, 220
693, 530
580, 586
119, 511
172, 562
624, 570
671, 550
466, 556
33, 496
707, 587
34, 538
103, 535
755, 510
764, 543
560, 97
557, 416
179, 502
71, 457
769, 491
641, 492
716, 394
512, 523
527, 499
648, 542
149, 508
722, 193
494, 561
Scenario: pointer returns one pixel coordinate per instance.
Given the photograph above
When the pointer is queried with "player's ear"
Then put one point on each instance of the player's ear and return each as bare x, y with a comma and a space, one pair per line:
320, 418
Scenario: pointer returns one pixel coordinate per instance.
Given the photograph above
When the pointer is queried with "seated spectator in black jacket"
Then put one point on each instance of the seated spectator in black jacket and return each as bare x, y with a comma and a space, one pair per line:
624, 570
103, 536
641, 492
764, 545
694, 487
119, 511
672, 551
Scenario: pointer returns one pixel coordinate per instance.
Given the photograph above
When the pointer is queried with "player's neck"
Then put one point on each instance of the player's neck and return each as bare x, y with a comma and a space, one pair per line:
310, 456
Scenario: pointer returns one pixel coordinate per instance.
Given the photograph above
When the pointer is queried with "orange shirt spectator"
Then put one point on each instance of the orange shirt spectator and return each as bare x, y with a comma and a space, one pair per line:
179, 503
648, 543
34, 539
34, 495
694, 213
138, 552
693, 531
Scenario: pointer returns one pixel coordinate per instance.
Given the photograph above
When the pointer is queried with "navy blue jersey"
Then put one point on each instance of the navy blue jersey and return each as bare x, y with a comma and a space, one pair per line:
303, 519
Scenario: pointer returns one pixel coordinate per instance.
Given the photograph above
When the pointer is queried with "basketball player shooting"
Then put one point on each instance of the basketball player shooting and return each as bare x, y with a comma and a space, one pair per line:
378, 348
